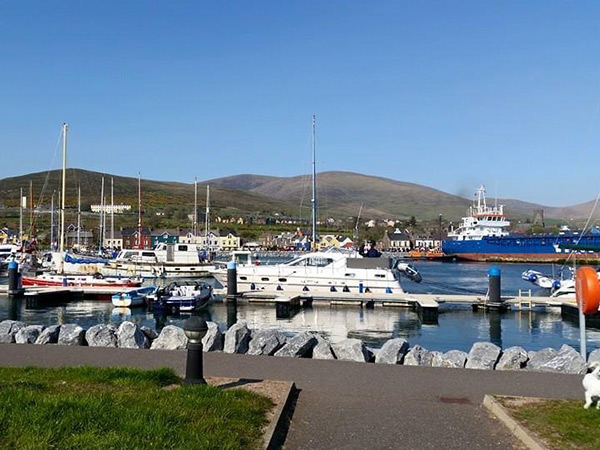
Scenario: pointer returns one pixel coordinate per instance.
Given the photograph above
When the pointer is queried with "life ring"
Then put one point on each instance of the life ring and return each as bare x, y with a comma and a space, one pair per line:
587, 290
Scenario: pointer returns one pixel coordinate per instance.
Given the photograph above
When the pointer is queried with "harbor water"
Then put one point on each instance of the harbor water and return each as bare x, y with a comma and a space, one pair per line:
457, 327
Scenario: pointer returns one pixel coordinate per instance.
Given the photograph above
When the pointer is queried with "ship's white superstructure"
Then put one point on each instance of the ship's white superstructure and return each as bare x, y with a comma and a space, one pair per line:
482, 221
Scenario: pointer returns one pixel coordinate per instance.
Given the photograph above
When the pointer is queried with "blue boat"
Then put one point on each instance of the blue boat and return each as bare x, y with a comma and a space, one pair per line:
133, 297
482, 236
182, 296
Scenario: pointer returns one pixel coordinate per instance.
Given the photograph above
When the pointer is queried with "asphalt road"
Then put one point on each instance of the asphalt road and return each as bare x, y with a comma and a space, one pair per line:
349, 405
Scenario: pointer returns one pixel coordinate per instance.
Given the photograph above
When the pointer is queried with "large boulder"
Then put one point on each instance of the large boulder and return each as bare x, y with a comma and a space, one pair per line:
539, 358
8, 329
129, 335
266, 342
453, 358
237, 338
568, 360
483, 355
49, 335
213, 340
300, 346
29, 334
352, 350
149, 332
392, 352
594, 356
170, 338
418, 356
102, 335
323, 349
513, 358
71, 334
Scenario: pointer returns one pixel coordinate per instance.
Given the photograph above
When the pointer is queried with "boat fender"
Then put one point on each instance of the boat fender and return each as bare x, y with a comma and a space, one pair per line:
279, 288
555, 284
587, 290
346, 289
305, 288
388, 290
533, 277
252, 286
332, 289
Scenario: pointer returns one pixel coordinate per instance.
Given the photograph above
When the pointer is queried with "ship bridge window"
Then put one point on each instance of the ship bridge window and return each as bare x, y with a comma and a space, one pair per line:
379, 275
148, 254
313, 262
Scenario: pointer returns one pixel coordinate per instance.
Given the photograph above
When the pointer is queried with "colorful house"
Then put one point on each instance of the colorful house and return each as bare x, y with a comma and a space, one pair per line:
165, 236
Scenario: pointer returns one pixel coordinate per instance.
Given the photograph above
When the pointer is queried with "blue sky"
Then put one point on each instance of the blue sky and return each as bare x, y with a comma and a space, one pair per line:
446, 94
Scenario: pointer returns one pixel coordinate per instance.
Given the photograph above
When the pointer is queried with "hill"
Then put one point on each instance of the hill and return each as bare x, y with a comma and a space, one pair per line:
155, 193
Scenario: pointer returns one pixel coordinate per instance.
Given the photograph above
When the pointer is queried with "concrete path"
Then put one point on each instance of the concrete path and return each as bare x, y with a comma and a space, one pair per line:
349, 405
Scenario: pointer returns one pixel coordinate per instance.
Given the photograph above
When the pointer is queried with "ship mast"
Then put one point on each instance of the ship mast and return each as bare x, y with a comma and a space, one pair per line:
314, 185
207, 216
79, 217
195, 207
64, 188
140, 245
112, 211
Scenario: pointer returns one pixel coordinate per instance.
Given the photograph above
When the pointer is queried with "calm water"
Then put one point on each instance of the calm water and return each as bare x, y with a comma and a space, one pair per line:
456, 328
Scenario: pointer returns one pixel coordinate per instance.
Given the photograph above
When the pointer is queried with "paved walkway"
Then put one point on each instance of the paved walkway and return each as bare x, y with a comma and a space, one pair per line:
349, 405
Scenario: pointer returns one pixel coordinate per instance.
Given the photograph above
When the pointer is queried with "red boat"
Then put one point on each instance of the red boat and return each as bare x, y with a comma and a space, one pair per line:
80, 280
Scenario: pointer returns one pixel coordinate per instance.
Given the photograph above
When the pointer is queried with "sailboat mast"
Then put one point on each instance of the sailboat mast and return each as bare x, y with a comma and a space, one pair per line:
207, 216
195, 207
79, 217
52, 223
21, 218
112, 210
101, 237
64, 188
314, 184
140, 245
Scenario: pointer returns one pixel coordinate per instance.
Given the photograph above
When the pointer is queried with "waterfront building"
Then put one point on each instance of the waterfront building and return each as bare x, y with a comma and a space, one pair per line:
116, 242
133, 239
86, 238
116, 209
229, 240
396, 240
163, 235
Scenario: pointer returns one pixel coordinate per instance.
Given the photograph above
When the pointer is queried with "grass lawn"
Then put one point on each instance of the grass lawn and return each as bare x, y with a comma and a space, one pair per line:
562, 424
123, 408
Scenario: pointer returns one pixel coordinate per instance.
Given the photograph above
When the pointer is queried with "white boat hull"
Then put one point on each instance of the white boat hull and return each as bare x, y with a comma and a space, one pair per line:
147, 270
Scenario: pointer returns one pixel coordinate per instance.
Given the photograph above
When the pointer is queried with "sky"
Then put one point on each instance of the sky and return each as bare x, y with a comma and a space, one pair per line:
446, 94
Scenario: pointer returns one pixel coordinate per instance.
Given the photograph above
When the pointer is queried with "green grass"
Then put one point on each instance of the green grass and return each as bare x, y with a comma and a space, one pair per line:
123, 408
563, 424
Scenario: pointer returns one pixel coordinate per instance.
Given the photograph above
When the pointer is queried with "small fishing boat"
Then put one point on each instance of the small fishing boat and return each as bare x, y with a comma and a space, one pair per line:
181, 297
539, 279
96, 280
135, 297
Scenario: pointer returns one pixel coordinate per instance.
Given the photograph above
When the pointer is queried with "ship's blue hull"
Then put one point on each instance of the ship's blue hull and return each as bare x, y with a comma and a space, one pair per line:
522, 248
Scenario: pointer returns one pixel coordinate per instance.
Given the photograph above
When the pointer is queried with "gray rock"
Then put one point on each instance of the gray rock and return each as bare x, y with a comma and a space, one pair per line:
539, 358
149, 332
102, 335
266, 342
453, 358
129, 335
352, 350
392, 352
71, 334
483, 355
213, 341
8, 329
170, 338
300, 346
513, 358
418, 356
568, 360
594, 356
237, 338
323, 349
49, 335
29, 334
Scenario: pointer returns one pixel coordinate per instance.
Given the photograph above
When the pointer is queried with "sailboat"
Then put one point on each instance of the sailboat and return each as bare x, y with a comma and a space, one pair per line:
323, 271
60, 277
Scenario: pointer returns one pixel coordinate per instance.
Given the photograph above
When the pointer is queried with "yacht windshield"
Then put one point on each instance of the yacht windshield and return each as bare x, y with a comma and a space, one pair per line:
312, 261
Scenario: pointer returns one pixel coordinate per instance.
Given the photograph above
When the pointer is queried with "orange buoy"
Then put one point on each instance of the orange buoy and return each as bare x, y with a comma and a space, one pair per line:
587, 290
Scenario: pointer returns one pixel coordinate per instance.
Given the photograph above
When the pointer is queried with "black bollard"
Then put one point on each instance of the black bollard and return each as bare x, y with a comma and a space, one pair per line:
495, 292
231, 282
195, 329
14, 279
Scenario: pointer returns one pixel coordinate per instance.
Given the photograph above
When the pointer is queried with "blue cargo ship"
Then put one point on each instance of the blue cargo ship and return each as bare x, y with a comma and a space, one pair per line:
482, 236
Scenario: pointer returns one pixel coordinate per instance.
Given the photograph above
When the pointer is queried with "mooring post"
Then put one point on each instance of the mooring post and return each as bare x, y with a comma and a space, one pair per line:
495, 290
14, 279
231, 282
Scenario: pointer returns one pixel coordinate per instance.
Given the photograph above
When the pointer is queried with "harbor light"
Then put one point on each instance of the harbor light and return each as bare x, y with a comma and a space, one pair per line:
195, 329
